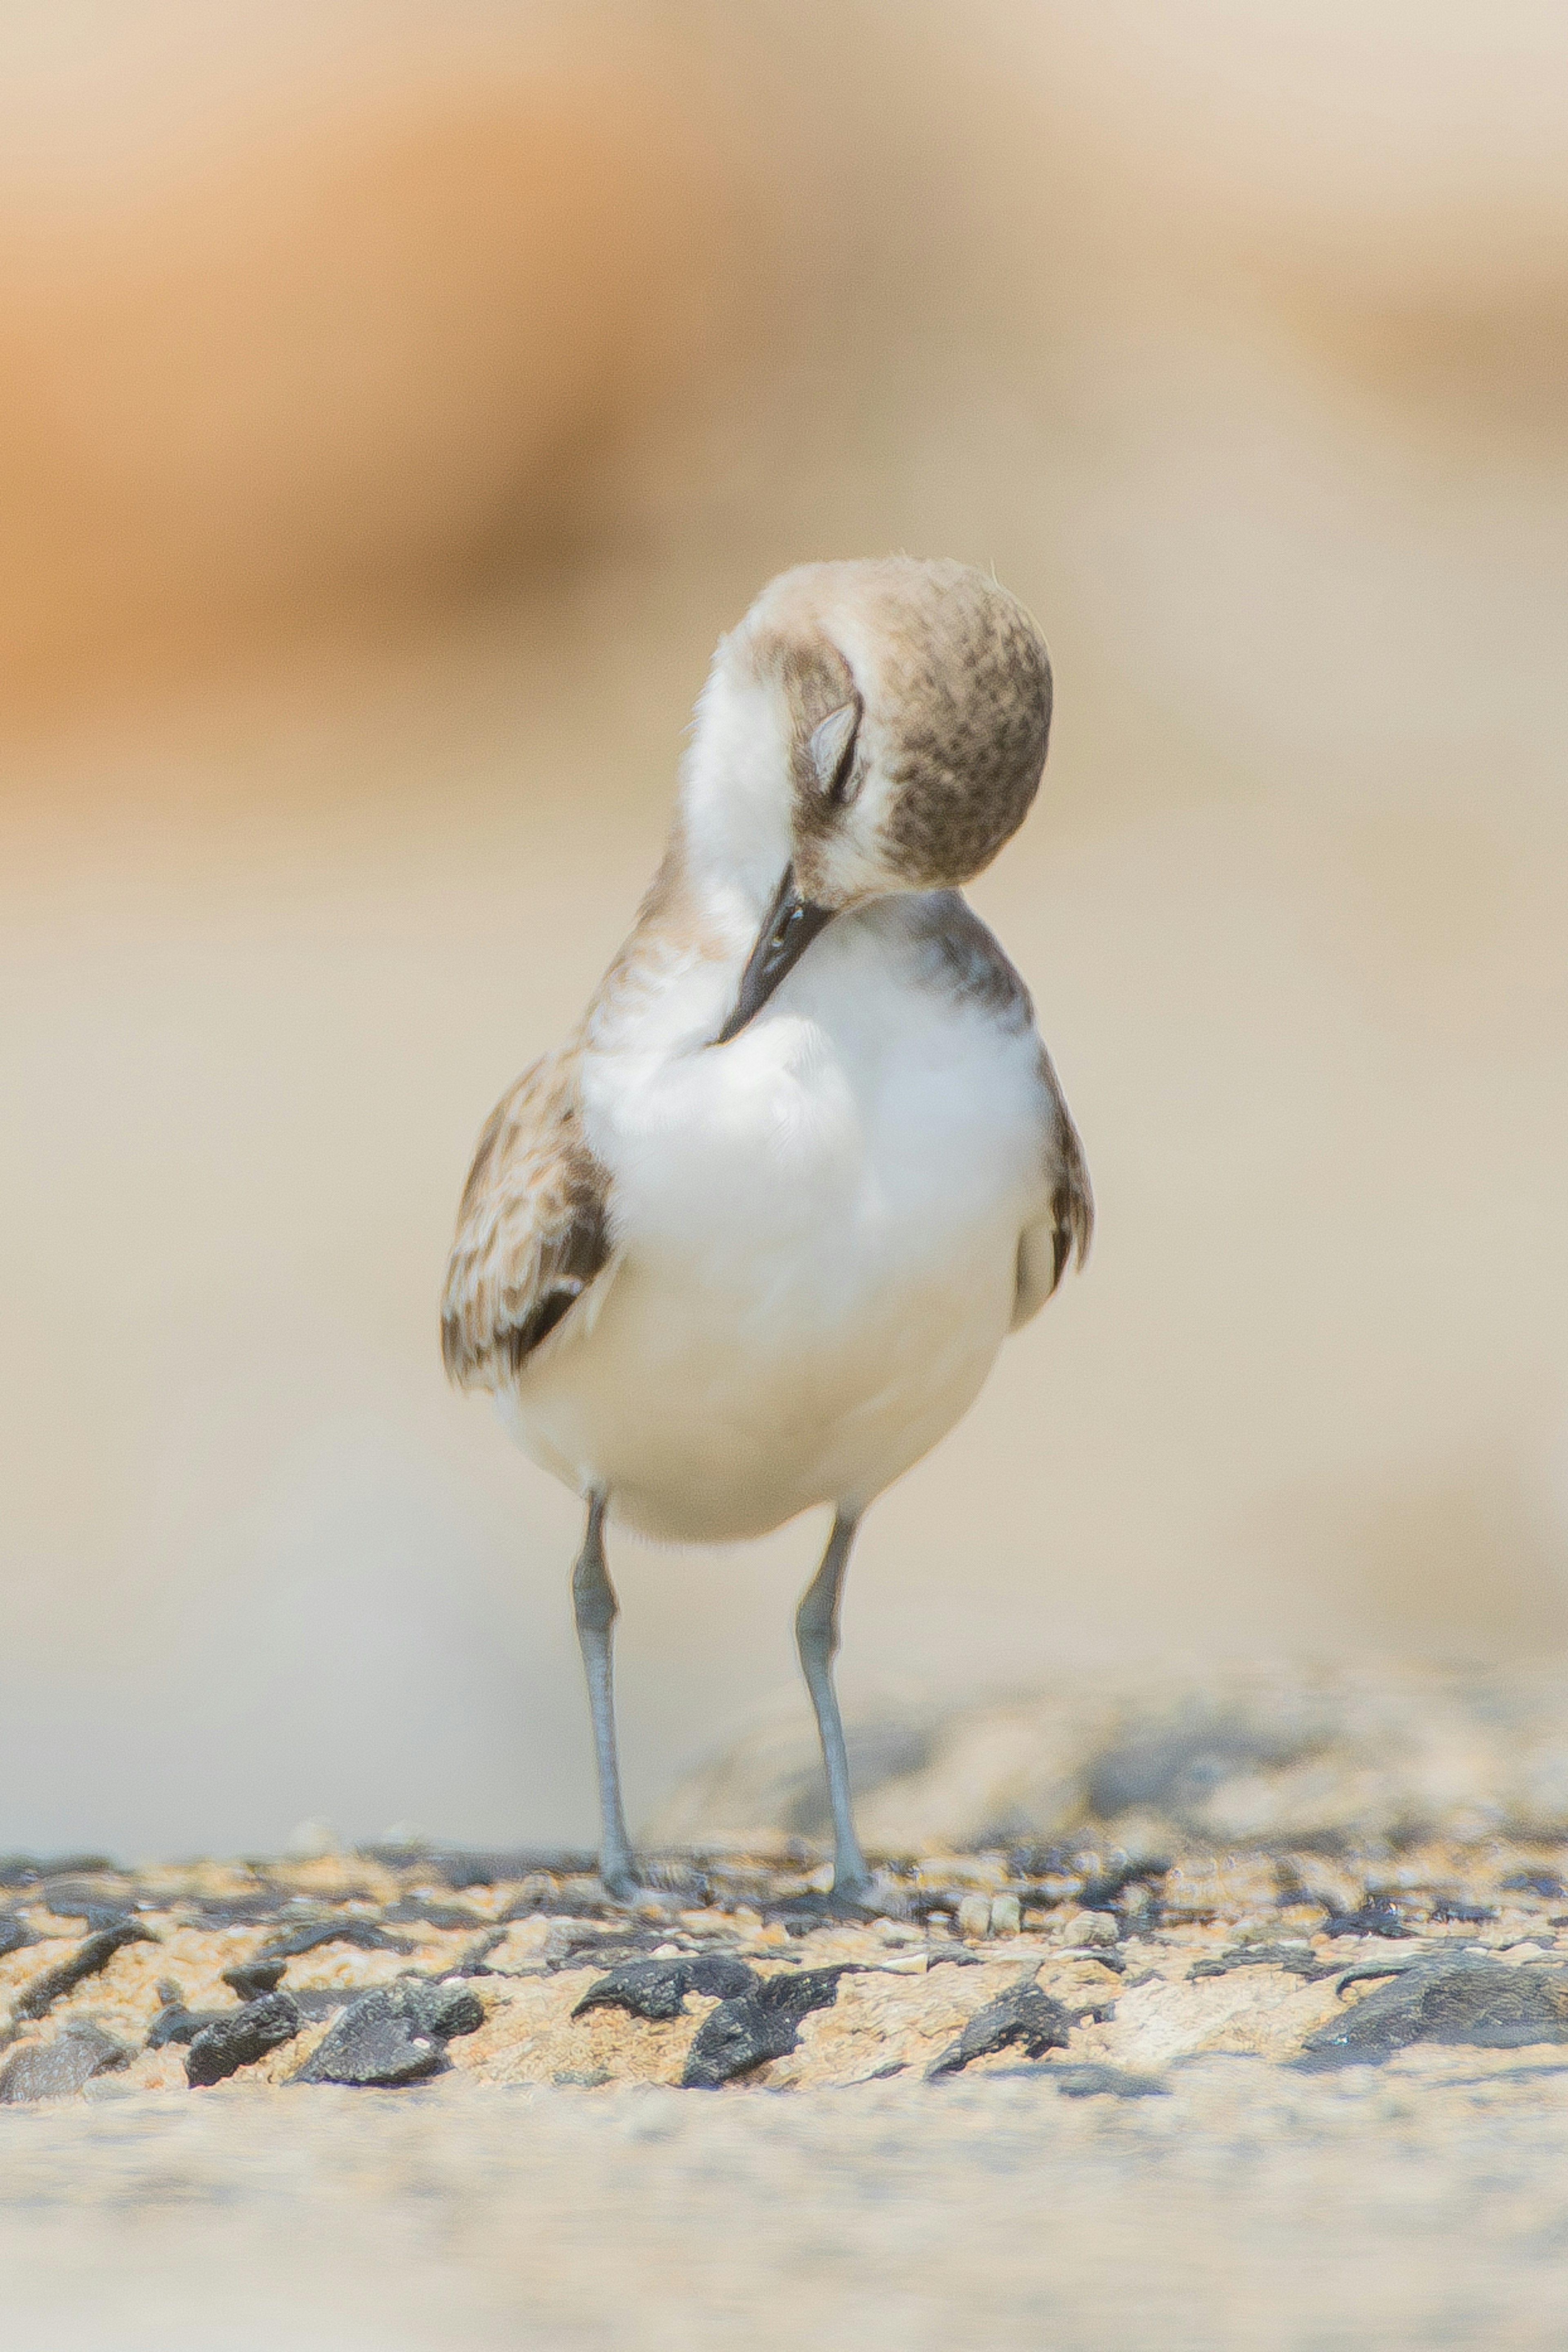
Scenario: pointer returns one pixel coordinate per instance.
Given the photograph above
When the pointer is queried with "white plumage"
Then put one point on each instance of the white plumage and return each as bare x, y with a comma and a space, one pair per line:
750, 1242
817, 1239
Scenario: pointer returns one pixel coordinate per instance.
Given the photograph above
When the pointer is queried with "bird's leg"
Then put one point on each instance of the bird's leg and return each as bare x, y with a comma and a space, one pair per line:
816, 1638
593, 1598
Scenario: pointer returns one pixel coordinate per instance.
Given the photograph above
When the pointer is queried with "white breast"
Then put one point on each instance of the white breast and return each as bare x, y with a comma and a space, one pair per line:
818, 1228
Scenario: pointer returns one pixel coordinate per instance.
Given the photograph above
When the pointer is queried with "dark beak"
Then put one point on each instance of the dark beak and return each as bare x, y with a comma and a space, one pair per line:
790, 925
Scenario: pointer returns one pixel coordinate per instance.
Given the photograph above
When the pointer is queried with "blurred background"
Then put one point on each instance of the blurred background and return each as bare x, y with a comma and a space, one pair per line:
395, 403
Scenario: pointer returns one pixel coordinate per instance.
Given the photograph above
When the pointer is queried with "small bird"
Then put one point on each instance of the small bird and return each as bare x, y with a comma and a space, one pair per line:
750, 1240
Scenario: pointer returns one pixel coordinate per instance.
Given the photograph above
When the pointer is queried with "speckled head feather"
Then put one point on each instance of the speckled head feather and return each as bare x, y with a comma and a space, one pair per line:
916, 706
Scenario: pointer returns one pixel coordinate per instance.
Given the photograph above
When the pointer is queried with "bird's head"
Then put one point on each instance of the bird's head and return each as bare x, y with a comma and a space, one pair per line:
870, 727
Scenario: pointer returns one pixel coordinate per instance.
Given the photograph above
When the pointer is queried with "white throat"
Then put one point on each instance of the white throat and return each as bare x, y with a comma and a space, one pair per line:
735, 798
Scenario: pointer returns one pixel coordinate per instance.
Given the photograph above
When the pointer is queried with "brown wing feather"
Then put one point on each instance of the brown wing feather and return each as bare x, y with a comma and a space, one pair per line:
533, 1228
1045, 1249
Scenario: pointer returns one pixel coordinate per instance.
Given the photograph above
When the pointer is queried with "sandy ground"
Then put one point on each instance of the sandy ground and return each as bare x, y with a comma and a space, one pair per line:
1359, 2210
1183, 2165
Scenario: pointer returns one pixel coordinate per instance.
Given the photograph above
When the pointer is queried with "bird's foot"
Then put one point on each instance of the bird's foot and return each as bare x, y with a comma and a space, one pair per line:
618, 1875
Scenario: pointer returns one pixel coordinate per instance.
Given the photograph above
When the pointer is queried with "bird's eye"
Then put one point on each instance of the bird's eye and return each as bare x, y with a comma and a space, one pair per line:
833, 750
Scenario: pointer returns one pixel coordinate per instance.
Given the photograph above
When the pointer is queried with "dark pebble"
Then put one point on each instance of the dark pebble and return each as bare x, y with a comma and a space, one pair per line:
176, 2022
1023, 2016
1375, 1916
1089, 2082
87, 1899
58, 2069
1462, 1914
230, 2043
394, 2033
657, 1988
1300, 1959
313, 1933
1477, 2001
799, 1914
94, 1917
1545, 1883
482, 1868
744, 2032
239, 1910
251, 1978
15, 1934
27, 1869
412, 1911
1044, 1861
88, 1959
1101, 1890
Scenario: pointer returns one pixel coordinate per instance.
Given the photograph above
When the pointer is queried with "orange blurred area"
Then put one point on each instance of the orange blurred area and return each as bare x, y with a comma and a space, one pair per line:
356, 357
395, 403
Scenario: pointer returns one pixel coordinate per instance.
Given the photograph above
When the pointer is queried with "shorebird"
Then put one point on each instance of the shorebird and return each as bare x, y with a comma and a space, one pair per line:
750, 1241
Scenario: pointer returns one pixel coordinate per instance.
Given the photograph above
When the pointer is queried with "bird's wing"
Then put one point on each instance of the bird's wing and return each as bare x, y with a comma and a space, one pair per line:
1066, 1230
533, 1229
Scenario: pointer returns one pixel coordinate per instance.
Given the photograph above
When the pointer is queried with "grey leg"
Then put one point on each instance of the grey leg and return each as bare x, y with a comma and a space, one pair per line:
593, 1598
816, 1638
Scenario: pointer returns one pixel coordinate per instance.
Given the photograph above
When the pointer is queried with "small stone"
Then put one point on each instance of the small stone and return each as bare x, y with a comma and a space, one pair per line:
975, 1917
1375, 1916
1091, 2081
221, 2048
176, 2022
744, 2033
313, 1933
394, 2033
60, 2068
1092, 1927
90, 1956
1292, 1954
15, 1935
251, 1978
1022, 2014
1005, 1915
1480, 2001
657, 1988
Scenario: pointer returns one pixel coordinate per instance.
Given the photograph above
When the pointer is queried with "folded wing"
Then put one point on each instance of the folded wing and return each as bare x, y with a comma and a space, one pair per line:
1046, 1247
533, 1229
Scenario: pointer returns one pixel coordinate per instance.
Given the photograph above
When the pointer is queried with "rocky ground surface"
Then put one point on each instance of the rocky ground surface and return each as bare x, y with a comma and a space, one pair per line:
1209, 2094
1225, 2009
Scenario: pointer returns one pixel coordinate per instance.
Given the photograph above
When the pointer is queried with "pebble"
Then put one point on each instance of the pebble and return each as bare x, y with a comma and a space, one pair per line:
1023, 2015
741, 2034
60, 2068
221, 2048
394, 2033
1483, 2002
90, 1956
15, 1935
657, 1987
975, 1917
1092, 1927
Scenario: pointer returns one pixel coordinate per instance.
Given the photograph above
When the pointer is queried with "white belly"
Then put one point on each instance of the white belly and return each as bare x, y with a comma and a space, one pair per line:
818, 1230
